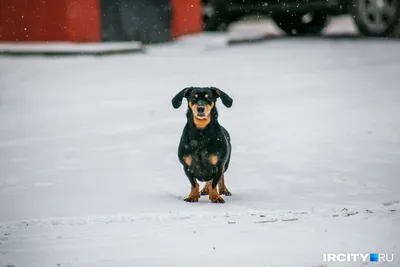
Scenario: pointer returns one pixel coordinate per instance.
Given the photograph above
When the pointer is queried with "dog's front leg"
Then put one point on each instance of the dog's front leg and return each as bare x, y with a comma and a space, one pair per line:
212, 187
194, 194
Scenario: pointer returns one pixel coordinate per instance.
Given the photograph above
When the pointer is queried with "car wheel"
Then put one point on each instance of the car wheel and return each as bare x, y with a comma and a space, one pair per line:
300, 23
376, 18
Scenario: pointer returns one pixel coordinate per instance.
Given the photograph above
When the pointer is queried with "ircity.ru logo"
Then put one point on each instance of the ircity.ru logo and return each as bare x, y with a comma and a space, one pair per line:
353, 257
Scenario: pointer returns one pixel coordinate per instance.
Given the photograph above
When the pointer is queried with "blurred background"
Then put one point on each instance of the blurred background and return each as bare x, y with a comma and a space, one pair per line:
155, 21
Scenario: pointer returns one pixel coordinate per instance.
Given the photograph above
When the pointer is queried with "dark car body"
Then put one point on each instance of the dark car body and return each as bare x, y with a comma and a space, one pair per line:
298, 17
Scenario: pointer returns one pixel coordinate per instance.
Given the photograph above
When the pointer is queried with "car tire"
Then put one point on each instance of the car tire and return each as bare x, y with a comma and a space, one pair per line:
298, 24
376, 18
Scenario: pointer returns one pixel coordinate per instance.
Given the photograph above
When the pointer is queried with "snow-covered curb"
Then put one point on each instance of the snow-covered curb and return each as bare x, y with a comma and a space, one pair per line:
65, 48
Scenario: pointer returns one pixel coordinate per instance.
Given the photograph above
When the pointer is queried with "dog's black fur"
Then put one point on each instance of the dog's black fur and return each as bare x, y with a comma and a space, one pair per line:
203, 139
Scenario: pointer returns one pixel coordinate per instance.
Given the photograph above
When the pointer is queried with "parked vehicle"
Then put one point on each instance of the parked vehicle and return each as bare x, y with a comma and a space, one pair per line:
377, 18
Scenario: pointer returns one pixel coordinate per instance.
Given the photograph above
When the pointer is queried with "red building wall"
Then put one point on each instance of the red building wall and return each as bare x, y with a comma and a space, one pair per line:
187, 17
77, 20
50, 20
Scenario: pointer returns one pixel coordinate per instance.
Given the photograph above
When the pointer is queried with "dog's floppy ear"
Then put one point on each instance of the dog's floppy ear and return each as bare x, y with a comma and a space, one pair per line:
226, 100
177, 100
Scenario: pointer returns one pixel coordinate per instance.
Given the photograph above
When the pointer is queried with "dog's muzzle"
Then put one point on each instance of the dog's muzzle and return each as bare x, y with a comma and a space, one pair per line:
200, 110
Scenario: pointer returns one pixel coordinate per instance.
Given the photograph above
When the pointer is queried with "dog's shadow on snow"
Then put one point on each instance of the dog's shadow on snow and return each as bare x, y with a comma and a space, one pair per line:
239, 197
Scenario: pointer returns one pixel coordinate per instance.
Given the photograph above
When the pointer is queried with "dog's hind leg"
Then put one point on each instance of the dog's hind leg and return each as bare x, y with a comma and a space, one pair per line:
205, 191
194, 194
223, 190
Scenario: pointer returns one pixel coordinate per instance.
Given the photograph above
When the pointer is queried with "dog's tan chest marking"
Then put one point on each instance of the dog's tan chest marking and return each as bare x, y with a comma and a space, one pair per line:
213, 159
188, 160
201, 163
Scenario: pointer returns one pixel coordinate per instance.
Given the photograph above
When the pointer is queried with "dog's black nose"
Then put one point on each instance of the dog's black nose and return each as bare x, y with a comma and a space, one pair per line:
200, 109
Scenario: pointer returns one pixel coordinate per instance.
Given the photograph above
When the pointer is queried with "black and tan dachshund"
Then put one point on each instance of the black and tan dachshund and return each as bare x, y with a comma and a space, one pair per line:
205, 146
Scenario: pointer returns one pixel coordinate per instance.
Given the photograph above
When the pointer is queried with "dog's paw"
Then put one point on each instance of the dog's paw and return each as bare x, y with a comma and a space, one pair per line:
191, 199
204, 191
225, 192
217, 199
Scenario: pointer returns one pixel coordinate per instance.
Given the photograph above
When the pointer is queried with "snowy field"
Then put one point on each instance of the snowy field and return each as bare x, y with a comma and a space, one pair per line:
89, 174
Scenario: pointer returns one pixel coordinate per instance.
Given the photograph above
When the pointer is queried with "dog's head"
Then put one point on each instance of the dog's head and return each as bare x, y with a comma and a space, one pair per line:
201, 100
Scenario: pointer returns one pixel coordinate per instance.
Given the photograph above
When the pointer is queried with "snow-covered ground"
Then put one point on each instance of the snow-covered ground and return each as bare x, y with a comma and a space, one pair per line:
89, 174
250, 28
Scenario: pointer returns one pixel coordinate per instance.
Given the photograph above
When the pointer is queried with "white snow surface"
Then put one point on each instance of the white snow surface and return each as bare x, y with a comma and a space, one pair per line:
253, 29
89, 174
